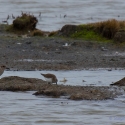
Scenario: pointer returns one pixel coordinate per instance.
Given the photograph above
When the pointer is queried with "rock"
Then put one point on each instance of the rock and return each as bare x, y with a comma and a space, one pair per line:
67, 30
15, 83
76, 97
120, 82
49, 92
28, 42
119, 36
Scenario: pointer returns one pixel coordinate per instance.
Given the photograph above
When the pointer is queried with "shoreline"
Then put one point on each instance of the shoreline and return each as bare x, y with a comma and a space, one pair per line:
15, 83
51, 54
85, 69
30, 53
54, 53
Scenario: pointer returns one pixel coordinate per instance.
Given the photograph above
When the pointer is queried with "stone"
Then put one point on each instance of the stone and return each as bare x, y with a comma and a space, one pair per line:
119, 36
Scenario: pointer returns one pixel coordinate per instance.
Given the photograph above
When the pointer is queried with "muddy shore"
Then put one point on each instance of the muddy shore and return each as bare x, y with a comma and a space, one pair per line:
54, 53
15, 83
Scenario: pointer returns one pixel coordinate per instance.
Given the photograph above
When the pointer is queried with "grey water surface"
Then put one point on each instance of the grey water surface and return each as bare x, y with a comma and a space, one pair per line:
23, 108
57, 13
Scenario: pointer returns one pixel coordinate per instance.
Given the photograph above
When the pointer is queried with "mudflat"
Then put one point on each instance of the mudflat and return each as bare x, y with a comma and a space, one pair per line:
15, 83
57, 53
54, 53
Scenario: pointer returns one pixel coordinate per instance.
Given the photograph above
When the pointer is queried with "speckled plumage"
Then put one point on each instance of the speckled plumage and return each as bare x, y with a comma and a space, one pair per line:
50, 78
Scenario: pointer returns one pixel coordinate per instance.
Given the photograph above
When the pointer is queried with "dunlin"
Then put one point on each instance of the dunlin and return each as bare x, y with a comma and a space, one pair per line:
2, 68
50, 78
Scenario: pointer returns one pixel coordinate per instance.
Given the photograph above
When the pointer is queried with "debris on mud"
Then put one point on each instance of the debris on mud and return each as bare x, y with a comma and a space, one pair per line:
15, 83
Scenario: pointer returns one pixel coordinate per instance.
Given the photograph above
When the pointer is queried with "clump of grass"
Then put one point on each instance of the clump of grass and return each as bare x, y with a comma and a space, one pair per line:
37, 33
23, 24
86, 32
100, 31
25, 21
53, 33
9, 28
108, 28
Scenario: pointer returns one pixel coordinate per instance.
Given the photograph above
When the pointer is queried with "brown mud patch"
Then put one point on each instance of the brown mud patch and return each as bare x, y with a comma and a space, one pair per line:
52, 53
120, 82
15, 83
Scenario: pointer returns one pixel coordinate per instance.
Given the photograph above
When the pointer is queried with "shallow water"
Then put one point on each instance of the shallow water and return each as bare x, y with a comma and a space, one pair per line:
52, 12
96, 77
26, 109
23, 108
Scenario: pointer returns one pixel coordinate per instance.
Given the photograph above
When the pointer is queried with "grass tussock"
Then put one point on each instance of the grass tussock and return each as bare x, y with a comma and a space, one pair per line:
53, 33
108, 28
86, 32
23, 24
25, 21
37, 33
99, 31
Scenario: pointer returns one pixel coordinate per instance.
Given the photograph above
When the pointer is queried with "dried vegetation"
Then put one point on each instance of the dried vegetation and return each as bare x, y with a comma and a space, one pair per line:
108, 28
99, 31
23, 24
